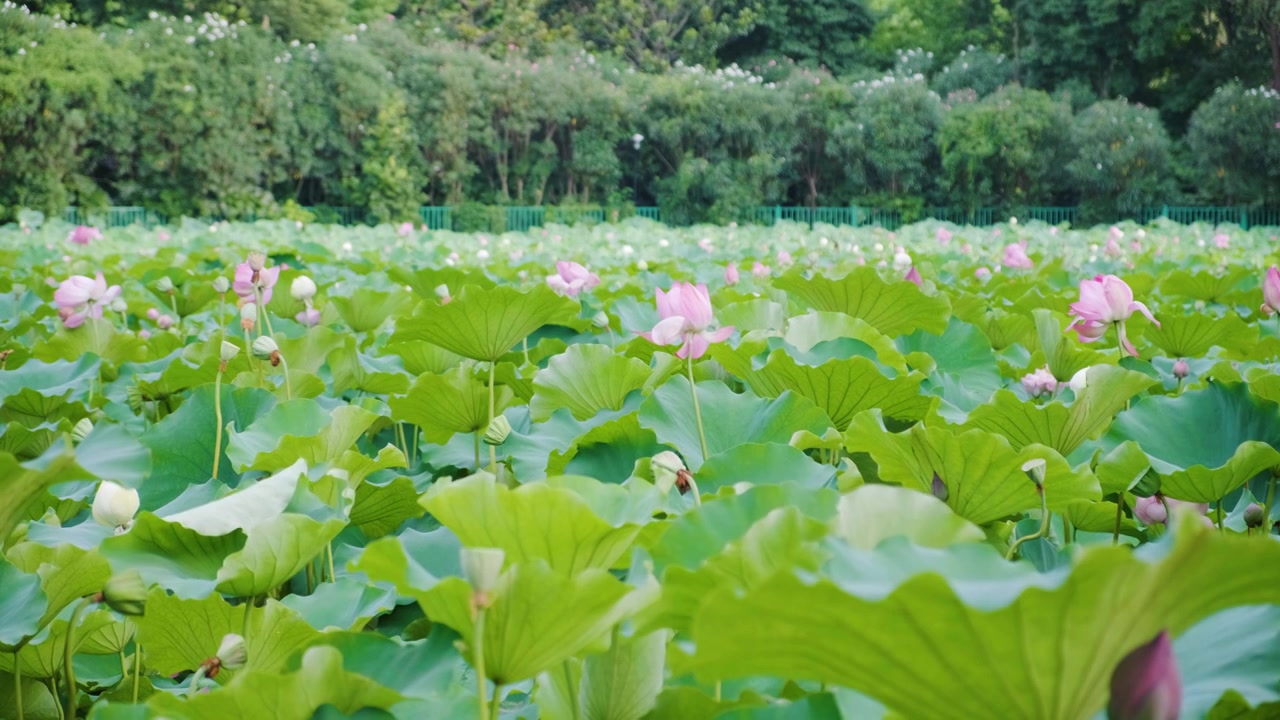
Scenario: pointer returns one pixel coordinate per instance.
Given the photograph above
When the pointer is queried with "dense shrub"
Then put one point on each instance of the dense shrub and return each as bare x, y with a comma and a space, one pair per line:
1234, 143
1121, 159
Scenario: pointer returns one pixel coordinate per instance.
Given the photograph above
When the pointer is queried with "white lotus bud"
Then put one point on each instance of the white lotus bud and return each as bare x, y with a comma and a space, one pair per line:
303, 288
1080, 380
221, 285
481, 567
114, 505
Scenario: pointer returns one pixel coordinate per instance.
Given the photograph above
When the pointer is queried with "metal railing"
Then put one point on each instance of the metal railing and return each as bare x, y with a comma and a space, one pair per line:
521, 219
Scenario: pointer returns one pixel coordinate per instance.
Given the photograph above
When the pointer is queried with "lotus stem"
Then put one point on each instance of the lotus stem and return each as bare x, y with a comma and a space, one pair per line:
1266, 507
495, 708
194, 687
525, 345
333, 577
124, 665
477, 650
244, 624
217, 413
54, 692
69, 652
697, 410
717, 691
248, 345
17, 685
477, 439
137, 668
1046, 523
1115, 536
288, 391
493, 450
311, 577
1221, 527
404, 444
177, 319
263, 315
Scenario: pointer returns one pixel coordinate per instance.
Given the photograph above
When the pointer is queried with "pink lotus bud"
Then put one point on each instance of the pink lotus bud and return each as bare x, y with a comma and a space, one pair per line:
1040, 382
1271, 290
1146, 685
165, 322
731, 274
153, 314
1254, 515
1180, 369
1150, 511
982, 274
1222, 241
913, 275
943, 236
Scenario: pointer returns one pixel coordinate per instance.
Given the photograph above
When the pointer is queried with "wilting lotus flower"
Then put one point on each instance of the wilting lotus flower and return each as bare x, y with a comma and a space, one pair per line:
1271, 291
405, 229
572, 278
114, 505
1015, 256
943, 236
759, 270
79, 298
731, 274
83, 235
251, 276
686, 314
1146, 685
1040, 382
1106, 300
913, 275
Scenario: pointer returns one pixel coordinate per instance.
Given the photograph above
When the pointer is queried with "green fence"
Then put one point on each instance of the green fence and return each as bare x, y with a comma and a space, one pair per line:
521, 219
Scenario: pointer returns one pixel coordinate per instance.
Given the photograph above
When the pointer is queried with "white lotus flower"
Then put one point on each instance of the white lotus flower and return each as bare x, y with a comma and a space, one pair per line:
114, 505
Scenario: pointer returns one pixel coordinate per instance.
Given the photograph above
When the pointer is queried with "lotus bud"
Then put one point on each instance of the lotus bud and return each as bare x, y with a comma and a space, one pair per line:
1035, 469
153, 314
114, 506
1254, 515
264, 348
481, 568
442, 291
939, 488
1150, 510
126, 593
1146, 685
165, 322
1079, 381
248, 315
228, 352
256, 260
119, 305
221, 285
642, 265
498, 430
1180, 369
81, 430
600, 320
303, 288
165, 285
232, 652
665, 466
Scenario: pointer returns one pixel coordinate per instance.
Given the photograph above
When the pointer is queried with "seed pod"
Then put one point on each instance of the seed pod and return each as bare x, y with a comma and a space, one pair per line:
498, 430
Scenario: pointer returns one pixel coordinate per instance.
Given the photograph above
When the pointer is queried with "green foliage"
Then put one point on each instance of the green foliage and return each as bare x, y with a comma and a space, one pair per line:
1121, 158
390, 180
1233, 142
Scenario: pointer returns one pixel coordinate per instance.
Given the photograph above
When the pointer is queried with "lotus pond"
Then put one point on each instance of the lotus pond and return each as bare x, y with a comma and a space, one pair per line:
623, 472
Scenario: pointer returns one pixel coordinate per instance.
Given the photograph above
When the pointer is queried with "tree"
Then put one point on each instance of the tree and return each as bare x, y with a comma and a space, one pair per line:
1121, 161
656, 33
944, 27
1235, 145
812, 32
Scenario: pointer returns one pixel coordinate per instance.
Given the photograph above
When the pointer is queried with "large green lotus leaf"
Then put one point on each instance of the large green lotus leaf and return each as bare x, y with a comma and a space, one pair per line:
49, 383
821, 706
841, 387
309, 351
1203, 285
1121, 468
430, 672
805, 331
783, 539
1061, 427
425, 281
729, 419
22, 605
1193, 336
982, 471
412, 561
444, 405
94, 337
420, 357
1236, 649
366, 309
25, 482
376, 375
964, 369
585, 379
995, 640
26, 443
484, 324
298, 430
380, 509
1004, 329
290, 696
1203, 443
67, 573
762, 464
246, 508
44, 656
38, 703
571, 523
276, 551
623, 682
703, 532
538, 619
874, 513
607, 452
182, 444
113, 454
757, 314
170, 555
1064, 358
342, 605
895, 308
178, 634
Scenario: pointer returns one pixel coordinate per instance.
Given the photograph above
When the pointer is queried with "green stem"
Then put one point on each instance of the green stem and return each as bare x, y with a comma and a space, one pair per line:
195, 682
413, 457
404, 444
697, 410
477, 439
1115, 536
1066, 530
263, 316
1221, 527
288, 391
124, 666
1266, 507
477, 651
311, 577
177, 319
717, 691
493, 451
495, 708
333, 577
68, 668
248, 348
217, 413
244, 624
17, 685
54, 692
1046, 523
137, 668
525, 345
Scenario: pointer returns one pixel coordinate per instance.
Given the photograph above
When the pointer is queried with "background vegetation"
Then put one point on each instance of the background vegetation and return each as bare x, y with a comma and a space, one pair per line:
250, 107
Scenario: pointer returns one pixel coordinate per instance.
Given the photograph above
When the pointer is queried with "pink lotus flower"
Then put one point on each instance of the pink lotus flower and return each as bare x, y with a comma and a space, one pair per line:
686, 314
1222, 240
1106, 300
913, 275
1271, 291
405, 229
1015, 256
249, 279
79, 298
83, 235
1112, 250
1146, 685
982, 274
759, 270
1040, 382
571, 279
164, 322
731, 274
1151, 510
162, 236
1116, 233
943, 236
784, 258
705, 244
309, 317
